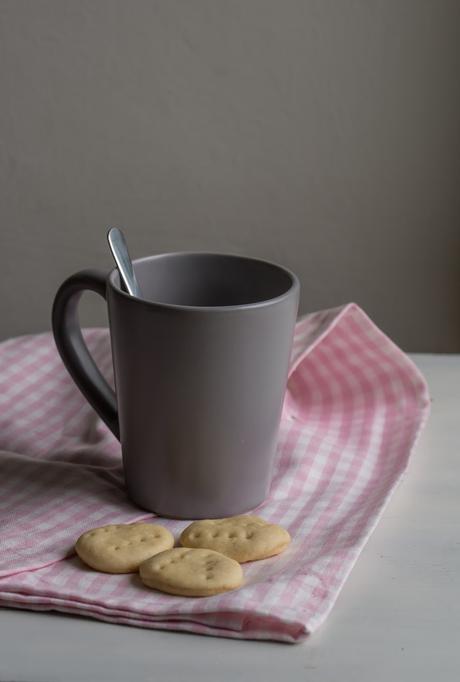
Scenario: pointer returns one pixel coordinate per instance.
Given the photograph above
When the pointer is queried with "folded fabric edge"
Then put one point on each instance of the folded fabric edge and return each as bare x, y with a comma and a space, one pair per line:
424, 403
251, 627
406, 359
254, 607
316, 621
342, 312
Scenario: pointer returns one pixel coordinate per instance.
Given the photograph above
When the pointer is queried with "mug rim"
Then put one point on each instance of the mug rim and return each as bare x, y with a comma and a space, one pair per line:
295, 284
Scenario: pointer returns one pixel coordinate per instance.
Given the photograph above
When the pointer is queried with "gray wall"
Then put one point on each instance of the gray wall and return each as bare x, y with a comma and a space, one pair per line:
321, 134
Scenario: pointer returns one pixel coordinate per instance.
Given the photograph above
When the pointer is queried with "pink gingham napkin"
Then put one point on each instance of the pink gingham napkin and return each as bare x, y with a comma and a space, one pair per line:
354, 407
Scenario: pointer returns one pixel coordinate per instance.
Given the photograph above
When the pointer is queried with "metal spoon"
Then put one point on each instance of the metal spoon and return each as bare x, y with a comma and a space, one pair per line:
120, 253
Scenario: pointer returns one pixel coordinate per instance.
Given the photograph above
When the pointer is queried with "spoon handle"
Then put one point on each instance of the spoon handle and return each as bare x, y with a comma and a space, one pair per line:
120, 253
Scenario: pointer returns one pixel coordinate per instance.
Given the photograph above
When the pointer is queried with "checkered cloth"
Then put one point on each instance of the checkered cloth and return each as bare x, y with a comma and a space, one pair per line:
354, 407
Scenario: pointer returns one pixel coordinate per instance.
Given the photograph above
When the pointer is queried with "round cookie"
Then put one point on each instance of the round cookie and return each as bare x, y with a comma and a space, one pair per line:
121, 548
191, 572
243, 538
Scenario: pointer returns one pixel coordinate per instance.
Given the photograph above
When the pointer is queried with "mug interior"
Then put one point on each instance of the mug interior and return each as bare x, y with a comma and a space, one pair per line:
209, 280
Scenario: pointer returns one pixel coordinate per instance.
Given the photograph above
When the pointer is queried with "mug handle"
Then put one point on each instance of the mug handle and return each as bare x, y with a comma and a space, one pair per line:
73, 350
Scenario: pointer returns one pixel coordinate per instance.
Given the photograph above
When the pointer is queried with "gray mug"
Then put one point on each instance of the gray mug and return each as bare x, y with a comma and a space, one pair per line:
200, 366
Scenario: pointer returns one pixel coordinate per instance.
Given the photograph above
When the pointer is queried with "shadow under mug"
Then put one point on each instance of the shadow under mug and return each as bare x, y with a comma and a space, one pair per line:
200, 366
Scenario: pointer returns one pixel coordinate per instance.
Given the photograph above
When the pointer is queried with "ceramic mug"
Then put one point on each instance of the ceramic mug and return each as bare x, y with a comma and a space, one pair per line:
200, 366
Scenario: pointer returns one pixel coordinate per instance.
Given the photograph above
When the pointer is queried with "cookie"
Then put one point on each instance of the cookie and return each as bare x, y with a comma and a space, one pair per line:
244, 538
121, 548
191, 572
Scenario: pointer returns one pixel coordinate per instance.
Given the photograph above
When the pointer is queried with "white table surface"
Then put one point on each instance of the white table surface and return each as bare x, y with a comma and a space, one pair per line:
396, 620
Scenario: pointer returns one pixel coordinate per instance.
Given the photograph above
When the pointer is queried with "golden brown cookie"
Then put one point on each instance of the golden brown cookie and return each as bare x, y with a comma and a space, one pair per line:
122, 548
191, 572
244, 538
